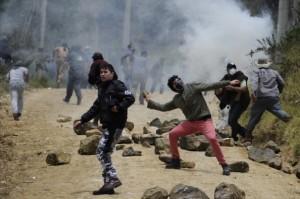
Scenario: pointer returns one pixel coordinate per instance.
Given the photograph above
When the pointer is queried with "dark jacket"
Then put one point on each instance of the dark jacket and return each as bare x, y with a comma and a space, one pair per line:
191, 101
229, 97
111, 93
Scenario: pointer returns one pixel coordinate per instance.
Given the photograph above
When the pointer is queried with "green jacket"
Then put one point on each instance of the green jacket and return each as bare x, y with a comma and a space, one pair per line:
191, 101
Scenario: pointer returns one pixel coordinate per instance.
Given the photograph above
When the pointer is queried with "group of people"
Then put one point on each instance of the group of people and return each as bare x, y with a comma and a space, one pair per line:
136, 71
114, 99
265, 86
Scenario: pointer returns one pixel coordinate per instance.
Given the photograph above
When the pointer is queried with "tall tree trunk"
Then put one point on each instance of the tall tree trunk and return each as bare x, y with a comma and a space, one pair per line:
127, 20
43, 22
283, 14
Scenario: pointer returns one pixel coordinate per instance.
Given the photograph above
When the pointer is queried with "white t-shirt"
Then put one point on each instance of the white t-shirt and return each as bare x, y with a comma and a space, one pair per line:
17, 75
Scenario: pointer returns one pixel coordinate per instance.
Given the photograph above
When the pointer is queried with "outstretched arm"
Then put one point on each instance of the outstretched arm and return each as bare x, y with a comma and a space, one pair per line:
206, 87
160, 107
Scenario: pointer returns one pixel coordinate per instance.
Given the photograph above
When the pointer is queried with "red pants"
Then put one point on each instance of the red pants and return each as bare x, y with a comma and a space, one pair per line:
205, 127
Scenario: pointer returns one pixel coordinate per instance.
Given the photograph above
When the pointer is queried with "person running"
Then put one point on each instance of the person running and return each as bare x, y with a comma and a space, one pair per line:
190, 100
112, 104
17, 77
267, 84
237, 97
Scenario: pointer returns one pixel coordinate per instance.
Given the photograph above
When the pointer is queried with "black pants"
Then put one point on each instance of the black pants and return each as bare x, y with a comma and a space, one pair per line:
235, 113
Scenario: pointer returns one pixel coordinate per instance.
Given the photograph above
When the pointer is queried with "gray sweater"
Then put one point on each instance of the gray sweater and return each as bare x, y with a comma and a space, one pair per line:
266, 82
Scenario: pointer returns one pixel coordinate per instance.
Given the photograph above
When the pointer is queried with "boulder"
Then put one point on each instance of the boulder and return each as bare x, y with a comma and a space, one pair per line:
150, 138
82, 129
155, 193
156, 122
228, 191
91, 132
161, 144
131, 152
272, 145
58, 158
226, 142
261, 155
286, 168
136, 137
275, 163
129, 125
149, 130
239, 166
184, 164
124, 140
120, 147
297, 170
63, 118
182, 191
209, 152
189, 142
89, 145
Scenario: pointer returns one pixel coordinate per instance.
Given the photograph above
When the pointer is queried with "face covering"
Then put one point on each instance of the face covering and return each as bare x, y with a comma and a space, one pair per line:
178, 85
232, 71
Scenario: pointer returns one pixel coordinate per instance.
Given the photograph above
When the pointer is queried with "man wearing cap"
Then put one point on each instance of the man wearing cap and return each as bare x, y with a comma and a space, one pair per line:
237, 97
267, 84
190, 100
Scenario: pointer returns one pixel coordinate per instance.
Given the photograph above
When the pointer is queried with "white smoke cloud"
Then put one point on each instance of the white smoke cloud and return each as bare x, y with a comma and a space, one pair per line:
219, 31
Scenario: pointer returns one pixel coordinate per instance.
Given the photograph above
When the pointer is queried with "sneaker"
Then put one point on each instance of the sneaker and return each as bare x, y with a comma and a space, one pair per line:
174, 164
65, 100
226, 170
114, 183
104, 190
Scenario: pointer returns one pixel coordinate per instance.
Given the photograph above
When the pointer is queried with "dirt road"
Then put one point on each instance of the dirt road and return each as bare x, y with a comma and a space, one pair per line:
38, 132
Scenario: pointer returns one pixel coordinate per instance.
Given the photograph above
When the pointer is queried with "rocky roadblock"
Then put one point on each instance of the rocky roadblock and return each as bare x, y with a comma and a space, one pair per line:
39, 133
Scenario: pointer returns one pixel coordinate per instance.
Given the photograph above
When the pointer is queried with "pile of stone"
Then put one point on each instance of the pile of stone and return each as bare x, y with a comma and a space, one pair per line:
270, 154
222, 191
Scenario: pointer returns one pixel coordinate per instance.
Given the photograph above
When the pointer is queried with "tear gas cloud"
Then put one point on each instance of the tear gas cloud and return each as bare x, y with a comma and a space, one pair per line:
197, 38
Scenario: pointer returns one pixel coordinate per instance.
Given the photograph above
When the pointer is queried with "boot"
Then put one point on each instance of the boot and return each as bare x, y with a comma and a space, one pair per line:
16, 116
174, 164
226, 169
105, 189
114, 183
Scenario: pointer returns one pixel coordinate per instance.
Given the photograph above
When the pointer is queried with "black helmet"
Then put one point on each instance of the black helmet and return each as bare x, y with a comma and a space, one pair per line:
97, 55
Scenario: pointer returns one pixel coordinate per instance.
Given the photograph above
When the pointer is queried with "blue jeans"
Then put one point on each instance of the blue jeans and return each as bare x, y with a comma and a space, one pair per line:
261, 105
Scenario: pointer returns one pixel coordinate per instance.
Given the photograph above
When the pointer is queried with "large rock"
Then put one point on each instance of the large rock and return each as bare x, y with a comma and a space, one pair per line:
261, 155
167, 126
228, 191
124, 140
226, 142
155, 193
156, 122
149, 130
272, 145
275, 163
58, 158
129, 125
161, 145
131, 152
182, 191
120, 147
184, 164
150, 138
286, 168
189, 142
239, 166
209, 152
297, 170
89, 145
82, 129
136, 137
194, 143
91, 132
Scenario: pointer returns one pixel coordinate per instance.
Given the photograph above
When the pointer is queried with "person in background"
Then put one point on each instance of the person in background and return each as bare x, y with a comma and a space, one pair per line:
237, 97
266, 84
190, 100
17, 77
60, 55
